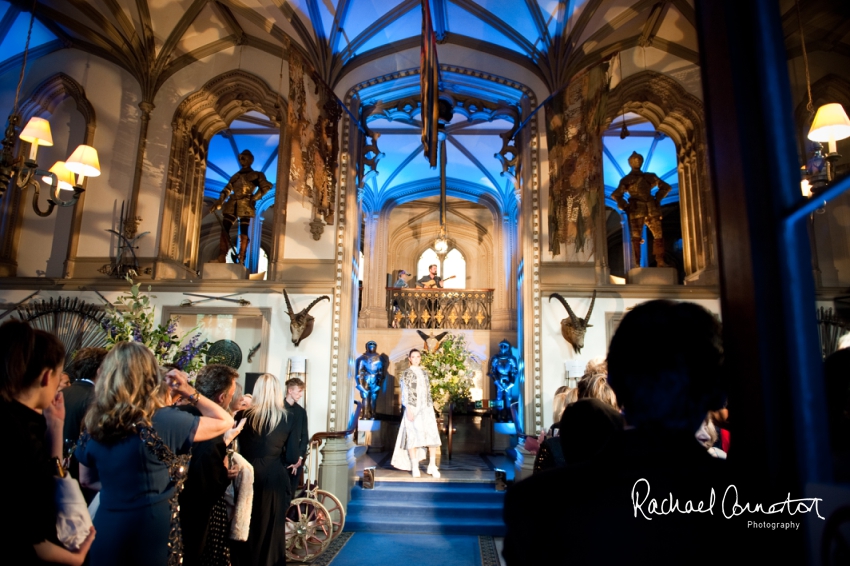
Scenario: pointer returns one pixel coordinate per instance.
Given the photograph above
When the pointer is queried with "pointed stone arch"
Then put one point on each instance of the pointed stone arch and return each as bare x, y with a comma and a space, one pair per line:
46, 97
197, 119
680, 115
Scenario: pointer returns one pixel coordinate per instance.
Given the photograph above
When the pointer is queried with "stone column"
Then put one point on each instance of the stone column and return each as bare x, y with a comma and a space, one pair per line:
334, 473
11, 219
146, 107
281, 200
504, 299
373, 313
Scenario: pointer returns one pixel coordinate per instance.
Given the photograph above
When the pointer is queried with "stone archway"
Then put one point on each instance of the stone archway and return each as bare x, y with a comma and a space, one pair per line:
678, 114
46, 97
197, 119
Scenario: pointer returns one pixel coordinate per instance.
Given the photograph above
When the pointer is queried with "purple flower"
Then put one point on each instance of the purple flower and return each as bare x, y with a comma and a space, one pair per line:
110, 329
189, 351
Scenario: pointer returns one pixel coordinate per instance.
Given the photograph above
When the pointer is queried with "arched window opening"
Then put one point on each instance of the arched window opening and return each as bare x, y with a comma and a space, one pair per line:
659, 157
453, 264
429, 257
254, 132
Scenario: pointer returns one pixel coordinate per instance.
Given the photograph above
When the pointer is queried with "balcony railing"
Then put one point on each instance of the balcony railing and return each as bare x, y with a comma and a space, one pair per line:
464, 309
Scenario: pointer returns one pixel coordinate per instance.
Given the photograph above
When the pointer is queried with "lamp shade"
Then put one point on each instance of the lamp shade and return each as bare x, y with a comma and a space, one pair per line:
84, 161
831, 123
37, 132
65, 176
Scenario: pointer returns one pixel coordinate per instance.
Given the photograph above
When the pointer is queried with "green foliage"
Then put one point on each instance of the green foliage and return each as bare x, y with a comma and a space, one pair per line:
448, 366
131, 318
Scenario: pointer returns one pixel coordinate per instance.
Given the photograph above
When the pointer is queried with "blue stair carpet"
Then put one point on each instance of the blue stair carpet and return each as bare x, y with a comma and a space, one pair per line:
426, 507
382, 549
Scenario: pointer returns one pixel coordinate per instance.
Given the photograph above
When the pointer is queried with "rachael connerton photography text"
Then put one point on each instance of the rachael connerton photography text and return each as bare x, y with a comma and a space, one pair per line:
730, 505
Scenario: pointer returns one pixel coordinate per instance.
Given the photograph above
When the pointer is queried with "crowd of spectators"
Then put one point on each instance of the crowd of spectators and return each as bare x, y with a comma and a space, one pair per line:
155, 454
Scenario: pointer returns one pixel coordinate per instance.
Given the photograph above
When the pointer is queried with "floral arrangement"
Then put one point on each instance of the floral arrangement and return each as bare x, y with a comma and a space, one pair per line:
448, 366
131, 318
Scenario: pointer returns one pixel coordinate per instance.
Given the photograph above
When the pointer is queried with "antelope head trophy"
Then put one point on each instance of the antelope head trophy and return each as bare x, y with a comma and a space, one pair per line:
301, 324
573, 328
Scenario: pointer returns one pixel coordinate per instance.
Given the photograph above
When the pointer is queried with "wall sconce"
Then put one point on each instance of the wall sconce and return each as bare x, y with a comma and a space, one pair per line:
830, 125
83, 162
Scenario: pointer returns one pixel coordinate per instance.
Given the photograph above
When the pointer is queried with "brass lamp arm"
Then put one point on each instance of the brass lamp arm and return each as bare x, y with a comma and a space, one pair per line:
28, 177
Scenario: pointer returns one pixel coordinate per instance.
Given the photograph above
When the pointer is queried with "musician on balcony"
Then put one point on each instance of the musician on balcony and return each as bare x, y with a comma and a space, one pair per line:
431, 280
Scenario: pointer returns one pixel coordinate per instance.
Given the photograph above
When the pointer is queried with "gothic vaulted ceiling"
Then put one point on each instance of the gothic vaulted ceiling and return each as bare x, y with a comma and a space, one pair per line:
153, 39
552, 39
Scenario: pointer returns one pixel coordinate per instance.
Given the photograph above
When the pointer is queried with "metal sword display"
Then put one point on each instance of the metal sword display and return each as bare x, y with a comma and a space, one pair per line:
127, 239
16, 305
207, 298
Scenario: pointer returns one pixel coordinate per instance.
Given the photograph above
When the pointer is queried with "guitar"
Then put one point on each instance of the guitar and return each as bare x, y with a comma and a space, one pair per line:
431, 284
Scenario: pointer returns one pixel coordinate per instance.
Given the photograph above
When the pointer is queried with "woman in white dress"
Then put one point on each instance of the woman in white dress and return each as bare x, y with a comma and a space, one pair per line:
419, 425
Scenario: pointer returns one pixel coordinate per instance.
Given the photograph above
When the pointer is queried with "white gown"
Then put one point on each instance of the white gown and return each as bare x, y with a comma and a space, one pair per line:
416, 398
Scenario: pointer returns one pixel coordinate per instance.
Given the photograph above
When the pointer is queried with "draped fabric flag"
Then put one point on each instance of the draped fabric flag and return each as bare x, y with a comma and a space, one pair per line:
429, 83
576, 195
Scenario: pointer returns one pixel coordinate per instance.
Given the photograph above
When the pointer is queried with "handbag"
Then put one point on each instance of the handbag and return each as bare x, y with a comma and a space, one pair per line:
73, 522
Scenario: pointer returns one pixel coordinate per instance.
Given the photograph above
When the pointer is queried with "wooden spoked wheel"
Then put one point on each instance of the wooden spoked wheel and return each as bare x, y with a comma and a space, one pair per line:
308, 530
336, 512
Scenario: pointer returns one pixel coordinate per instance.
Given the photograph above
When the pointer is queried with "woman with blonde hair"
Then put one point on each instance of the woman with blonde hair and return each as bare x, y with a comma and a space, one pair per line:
263, 444
136, 452
558, 404
596, 387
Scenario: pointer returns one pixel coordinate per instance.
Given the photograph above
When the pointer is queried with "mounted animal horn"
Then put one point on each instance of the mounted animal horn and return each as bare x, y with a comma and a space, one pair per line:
574, 328
301, 324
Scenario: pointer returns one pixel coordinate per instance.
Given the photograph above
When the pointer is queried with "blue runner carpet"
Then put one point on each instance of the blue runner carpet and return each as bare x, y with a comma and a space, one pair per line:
387, 549
427, 508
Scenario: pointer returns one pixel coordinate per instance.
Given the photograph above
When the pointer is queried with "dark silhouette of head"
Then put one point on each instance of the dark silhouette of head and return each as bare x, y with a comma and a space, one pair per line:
665, 365
586, 428
25, 353
86, 363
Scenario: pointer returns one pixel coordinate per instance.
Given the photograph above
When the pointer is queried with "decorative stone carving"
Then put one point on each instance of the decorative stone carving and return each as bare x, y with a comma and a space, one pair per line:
315, 146
297, 122
370, 154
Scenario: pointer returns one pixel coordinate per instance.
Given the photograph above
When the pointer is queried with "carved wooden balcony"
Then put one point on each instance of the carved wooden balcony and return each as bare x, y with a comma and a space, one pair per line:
457, 309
